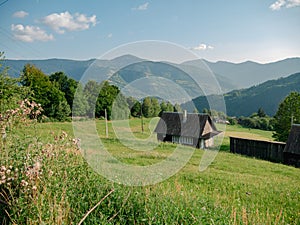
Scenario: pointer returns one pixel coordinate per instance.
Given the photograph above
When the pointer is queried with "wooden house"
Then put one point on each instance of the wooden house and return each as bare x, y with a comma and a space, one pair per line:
291, 153
194, 129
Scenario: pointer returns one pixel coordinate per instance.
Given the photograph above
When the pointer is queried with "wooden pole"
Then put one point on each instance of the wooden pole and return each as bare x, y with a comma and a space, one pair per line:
142, 122
106, 127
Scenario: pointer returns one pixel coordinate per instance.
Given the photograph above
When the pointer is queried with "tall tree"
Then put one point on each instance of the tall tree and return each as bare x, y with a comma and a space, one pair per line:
48, 95
91, 91
155, 107
147, 107
80, 103
65, 84
107, 95
288, 113
261, 112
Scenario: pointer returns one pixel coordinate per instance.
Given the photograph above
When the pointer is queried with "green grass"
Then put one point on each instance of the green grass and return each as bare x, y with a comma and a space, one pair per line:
242, 132
233, 190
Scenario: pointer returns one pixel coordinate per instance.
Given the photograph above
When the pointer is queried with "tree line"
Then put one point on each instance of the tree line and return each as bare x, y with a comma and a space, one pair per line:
61, 97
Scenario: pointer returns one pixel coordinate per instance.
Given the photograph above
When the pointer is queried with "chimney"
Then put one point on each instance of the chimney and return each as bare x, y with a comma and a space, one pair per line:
184, 116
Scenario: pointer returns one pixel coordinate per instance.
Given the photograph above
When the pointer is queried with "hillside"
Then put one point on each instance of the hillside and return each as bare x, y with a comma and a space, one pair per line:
267, 95
130, 66
230, 75
251, 73
233, 190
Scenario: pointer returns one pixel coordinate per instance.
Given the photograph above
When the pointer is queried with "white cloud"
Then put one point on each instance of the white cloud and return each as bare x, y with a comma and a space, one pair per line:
109, 35
142, 7
20, 14
202, 47
65, 21
284, 3
30, 33
292, 3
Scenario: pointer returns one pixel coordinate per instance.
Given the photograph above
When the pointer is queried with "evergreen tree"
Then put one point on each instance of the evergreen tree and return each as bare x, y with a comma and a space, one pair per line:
261, 112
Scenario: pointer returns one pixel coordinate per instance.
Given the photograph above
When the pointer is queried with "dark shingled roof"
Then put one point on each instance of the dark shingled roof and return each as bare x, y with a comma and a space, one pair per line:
293, 143
173, 124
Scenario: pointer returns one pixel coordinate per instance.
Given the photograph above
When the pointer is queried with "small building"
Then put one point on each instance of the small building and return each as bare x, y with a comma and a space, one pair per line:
193, 129
291, 153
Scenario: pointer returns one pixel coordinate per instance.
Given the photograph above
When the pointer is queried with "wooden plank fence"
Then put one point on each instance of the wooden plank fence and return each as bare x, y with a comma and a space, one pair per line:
267, 150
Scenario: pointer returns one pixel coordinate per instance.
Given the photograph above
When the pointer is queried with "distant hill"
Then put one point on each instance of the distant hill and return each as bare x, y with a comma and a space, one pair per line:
244, 102
230, 76
96, 68
251, 73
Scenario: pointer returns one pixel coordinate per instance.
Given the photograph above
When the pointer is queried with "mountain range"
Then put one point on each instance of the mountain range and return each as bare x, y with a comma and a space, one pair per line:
245, 86
230, 75
244, 102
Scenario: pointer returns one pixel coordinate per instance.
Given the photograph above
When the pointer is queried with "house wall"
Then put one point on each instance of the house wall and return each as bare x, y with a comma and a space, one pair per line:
207, 128
271, 151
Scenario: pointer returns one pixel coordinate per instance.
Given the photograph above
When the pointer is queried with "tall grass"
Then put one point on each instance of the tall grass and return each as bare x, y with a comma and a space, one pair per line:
61, 187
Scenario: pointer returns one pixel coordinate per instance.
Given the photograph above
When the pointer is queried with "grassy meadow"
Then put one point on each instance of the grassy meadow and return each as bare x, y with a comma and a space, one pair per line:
62, 189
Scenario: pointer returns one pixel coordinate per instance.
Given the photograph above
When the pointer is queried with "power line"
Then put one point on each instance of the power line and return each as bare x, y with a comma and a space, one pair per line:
2, 3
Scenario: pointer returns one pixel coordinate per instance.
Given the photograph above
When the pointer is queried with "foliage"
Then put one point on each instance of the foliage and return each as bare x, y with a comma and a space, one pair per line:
107, 96
45, 93
65, 84
166, 107
59, 187
80, 103
10, 92
246, 101
91, 91
177, 108
288, 112
257, 120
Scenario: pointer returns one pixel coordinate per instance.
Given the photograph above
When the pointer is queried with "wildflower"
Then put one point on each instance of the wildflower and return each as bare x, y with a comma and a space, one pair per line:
3, 168
24, 183
34, 188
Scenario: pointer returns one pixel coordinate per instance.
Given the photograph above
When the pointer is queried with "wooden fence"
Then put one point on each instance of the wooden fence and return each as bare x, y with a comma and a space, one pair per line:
267, 150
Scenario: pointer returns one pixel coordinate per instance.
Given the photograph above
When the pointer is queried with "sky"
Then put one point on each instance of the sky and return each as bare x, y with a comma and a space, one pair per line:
216, 30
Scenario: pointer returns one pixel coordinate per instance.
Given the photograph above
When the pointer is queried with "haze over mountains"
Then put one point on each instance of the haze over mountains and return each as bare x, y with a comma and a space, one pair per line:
230, 75
269, 83
244, 102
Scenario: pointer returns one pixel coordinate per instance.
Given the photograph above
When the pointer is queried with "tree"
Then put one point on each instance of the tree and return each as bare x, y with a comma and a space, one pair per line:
65, 84
155, 107
288, 113
45, 92
91, 91
10, 92
136, 109
146, 107
170, 107
107, 95
80, 103
177, 108
261, 112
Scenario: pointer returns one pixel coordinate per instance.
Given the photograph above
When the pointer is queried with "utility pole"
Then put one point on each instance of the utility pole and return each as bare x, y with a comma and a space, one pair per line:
106, 127
142, 122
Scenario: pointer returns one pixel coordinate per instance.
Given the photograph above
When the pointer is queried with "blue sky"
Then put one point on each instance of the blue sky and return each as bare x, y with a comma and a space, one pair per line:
231, 30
